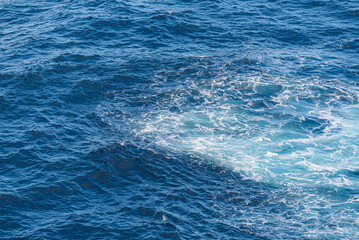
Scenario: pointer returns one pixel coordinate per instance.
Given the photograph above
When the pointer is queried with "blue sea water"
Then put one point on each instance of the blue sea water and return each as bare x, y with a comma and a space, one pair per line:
191, 119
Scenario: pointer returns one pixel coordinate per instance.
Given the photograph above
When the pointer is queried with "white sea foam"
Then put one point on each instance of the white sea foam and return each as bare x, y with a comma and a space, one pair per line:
301, 135
269, 129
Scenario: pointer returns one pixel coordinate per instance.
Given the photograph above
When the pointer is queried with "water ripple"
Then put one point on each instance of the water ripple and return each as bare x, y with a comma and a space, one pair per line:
179, 119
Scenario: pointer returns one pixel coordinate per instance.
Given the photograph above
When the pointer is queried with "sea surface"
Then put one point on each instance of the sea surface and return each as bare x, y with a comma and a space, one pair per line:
192, 119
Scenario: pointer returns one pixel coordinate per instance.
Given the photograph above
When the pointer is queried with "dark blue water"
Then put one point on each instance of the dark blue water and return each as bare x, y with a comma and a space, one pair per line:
179, 119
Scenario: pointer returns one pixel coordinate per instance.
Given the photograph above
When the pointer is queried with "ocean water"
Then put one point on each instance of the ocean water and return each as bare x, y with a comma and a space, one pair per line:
192, 119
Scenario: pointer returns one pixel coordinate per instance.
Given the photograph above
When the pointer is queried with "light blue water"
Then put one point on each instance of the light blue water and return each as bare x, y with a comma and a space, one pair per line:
299, 136
179, 119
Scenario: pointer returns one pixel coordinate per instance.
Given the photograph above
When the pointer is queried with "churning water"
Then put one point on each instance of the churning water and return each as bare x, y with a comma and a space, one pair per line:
179, 119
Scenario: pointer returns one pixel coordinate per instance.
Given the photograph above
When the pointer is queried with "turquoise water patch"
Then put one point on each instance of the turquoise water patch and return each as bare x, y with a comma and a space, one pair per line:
300, 136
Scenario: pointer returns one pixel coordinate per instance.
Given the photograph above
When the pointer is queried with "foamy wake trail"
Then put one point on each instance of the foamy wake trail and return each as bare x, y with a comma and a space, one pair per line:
268, 129
301, 135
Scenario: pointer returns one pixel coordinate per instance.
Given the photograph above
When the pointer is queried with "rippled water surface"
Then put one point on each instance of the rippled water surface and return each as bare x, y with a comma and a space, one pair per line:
179, 119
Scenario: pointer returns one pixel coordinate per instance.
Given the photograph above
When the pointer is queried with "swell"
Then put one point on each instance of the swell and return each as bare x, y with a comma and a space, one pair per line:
171, 119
